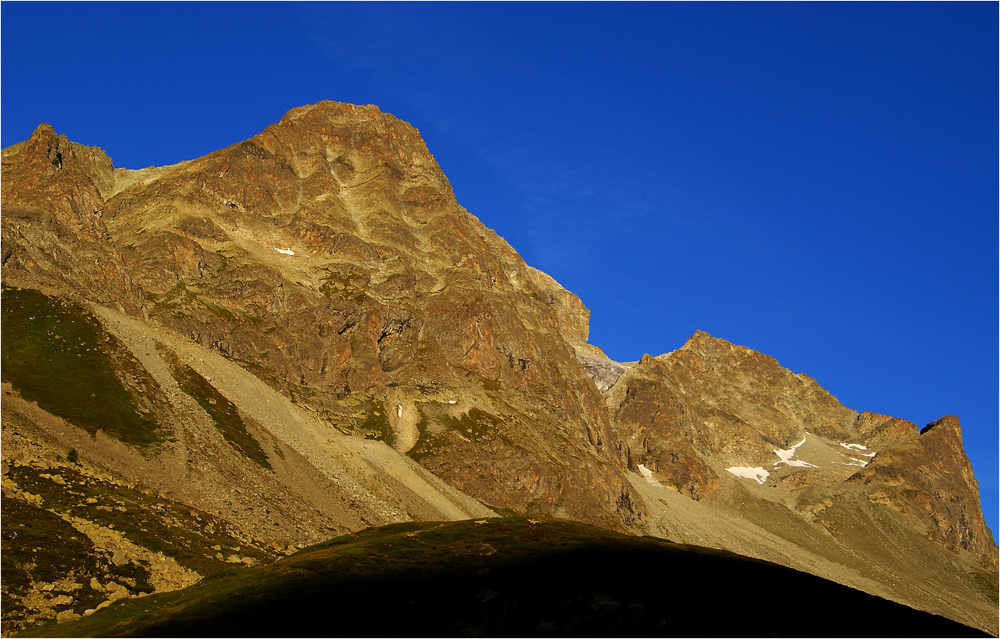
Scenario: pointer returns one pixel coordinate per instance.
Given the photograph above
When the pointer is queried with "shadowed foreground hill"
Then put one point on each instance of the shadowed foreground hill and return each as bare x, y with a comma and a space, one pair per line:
509, 577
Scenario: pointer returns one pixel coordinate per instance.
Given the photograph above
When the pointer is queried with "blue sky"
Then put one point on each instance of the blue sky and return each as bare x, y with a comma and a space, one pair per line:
814, 181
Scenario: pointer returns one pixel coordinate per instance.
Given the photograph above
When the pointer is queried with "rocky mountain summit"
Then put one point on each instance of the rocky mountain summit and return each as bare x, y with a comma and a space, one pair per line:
304, 334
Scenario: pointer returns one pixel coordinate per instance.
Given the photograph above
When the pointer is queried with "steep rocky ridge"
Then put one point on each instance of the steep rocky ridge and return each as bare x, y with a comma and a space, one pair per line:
929, 478
390, 283
53, 230
318, 338
712, 409
733, 451
329, 256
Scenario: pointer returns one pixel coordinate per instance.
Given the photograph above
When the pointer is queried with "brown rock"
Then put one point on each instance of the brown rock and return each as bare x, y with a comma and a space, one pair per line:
53, 229
930, 479
328, 255
713, 400
657, 429
66, 615
880, 431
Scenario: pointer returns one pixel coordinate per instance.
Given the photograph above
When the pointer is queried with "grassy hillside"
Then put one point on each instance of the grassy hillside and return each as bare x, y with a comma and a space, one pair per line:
508, 577
56, 354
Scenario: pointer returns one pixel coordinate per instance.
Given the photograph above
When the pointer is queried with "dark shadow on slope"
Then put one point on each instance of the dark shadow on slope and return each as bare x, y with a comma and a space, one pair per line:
512, 577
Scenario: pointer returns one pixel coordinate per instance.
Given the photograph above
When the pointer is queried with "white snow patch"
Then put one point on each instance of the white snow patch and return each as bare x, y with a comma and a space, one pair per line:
787, 454
799, 463
758, 474
857, 448
648, 474
286, 251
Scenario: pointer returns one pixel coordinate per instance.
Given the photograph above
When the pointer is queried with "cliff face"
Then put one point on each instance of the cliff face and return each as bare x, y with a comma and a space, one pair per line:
728, 406
929, 478
711, 403
304, 333
54, 231
328, 254
737, 452
712, 409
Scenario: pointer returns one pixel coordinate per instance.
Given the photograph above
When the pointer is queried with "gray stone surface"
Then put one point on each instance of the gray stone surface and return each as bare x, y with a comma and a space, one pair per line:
604, 372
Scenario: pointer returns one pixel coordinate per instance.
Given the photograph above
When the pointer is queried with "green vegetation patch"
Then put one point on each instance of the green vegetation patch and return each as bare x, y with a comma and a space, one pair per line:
477, 424
57, 354
222, 411
39, 546
987, 585
179, 295
46, 557
375, 424
428, 444
340, 284
182, 302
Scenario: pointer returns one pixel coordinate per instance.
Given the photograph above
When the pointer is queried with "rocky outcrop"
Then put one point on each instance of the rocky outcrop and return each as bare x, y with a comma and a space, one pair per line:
658, 428
54, 232
882, 431
715, 403
328, 255
732, 450
602, 370
726, 403
929, 478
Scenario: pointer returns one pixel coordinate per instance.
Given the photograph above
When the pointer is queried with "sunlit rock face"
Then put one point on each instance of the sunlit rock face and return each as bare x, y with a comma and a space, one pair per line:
319, 286
734, 451
718, 405
929, 478
713, 406
54, 228
328, 254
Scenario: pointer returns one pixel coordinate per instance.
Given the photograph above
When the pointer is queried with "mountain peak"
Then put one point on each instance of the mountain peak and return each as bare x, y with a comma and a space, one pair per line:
43, 130
930, 478
946, 426
334, 108
319, 337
